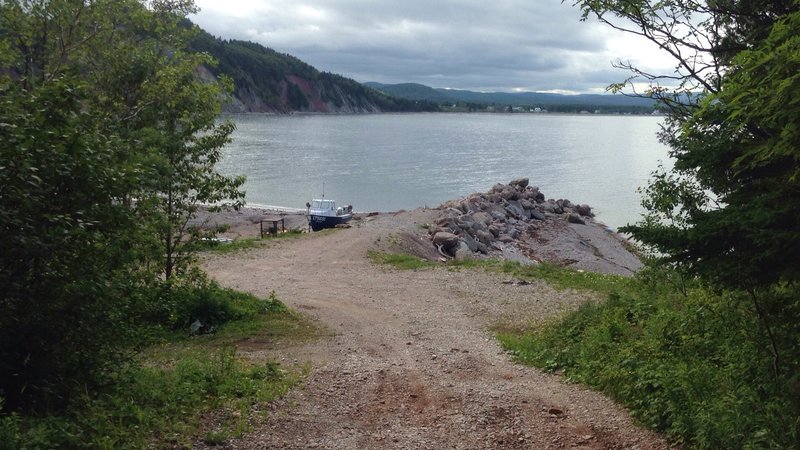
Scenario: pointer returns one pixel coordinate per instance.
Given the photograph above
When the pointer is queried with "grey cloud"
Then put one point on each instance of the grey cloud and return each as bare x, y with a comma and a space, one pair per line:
497, 45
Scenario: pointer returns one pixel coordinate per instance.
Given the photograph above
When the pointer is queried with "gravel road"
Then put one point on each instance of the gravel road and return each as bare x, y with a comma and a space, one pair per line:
413, 364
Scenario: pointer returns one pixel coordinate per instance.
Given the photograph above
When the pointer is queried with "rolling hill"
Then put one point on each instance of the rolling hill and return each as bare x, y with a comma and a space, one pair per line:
551, 102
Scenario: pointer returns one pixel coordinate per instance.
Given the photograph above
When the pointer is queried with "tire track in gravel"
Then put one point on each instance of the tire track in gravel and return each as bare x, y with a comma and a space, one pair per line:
412, 364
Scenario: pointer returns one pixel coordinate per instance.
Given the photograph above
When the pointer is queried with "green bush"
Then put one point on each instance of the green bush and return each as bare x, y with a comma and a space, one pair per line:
695, 366
158, 399
212, 305
155, 406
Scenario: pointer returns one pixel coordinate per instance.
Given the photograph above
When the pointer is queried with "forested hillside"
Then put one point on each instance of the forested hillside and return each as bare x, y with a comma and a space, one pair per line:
548, 101
267, 81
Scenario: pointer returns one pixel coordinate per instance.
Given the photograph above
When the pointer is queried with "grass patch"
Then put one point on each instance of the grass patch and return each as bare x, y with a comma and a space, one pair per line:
236, 245
689, 362
564, 278
182, 390
559, 277
240, 244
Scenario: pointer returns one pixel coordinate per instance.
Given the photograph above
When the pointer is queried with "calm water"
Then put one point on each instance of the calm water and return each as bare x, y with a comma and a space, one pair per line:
388, 162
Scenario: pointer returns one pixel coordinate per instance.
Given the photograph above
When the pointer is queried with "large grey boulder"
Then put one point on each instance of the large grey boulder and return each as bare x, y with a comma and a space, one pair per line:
522, 183
515, 211
509, 193
472, 244
462, 252
482, 218
584, 210
445, 221
484, 236
574, 218
446, 240
499, 215
537, 215
466, 223
526, 204
496, 229
497, 188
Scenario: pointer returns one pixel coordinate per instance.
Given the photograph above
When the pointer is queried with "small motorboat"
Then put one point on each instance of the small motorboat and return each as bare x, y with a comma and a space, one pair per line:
323, 213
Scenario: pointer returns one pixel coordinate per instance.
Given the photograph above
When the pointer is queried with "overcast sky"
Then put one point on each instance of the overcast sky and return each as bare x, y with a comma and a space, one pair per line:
484, 45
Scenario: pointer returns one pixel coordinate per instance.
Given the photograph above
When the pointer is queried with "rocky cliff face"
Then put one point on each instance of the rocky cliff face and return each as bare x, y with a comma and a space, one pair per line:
272, 82
329, 98
298, 94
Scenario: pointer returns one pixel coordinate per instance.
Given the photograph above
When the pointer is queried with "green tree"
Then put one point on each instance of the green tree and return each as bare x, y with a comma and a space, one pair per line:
108, 141
735, 182
727, 211
182, 143
61, 257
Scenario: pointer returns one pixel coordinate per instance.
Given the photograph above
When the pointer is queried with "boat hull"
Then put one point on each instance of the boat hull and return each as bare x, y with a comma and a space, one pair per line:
318, 222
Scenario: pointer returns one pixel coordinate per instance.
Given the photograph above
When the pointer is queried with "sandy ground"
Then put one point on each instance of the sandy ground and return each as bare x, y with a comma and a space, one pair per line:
413, 363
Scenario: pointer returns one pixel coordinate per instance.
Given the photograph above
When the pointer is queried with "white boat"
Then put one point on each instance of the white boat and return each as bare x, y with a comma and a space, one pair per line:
323, 213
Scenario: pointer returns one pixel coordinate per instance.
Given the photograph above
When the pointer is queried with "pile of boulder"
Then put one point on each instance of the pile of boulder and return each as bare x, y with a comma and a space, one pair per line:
481, 223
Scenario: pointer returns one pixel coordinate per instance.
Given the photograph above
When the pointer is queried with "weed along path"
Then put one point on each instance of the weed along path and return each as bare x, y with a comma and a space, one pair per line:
412, 363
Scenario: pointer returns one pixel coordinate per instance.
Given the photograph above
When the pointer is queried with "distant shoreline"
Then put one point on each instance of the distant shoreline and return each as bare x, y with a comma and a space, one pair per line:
406, 113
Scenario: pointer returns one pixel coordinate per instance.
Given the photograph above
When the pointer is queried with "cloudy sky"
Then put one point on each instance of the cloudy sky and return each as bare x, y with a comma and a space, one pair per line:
485, 45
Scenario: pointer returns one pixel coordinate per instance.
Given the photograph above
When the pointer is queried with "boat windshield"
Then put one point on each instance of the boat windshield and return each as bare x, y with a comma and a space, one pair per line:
322, 204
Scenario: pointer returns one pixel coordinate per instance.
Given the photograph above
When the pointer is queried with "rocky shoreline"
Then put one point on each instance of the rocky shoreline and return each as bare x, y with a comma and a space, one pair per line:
511, 221
514, 221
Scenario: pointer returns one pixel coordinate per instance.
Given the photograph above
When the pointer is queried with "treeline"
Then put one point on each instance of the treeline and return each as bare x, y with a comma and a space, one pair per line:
264, 73
564, 109
462, 100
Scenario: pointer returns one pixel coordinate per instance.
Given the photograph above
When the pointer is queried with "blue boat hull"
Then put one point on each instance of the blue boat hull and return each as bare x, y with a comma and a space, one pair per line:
320, 222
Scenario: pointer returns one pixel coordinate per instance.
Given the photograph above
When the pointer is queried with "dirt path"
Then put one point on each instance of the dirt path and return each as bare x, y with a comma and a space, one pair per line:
413, 365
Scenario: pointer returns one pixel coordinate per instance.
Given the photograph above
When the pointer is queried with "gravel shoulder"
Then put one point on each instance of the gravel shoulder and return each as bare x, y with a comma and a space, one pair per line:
412, 363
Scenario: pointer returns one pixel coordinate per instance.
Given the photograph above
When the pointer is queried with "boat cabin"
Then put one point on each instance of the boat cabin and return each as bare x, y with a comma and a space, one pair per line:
328, 208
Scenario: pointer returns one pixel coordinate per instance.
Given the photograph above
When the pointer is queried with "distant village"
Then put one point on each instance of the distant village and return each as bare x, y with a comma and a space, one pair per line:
565, 109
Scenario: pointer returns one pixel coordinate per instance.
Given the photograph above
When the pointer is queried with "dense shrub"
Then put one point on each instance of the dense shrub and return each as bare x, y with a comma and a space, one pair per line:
213, 305
158, 400
153, 403
691, 362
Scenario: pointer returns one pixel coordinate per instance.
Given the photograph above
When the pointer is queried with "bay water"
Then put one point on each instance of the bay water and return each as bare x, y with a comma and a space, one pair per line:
388, 162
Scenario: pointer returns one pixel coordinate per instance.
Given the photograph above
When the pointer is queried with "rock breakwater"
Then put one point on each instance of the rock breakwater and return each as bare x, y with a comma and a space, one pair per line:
517, 222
